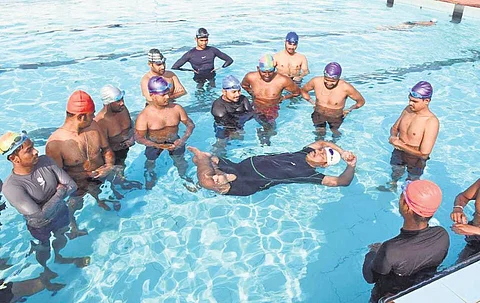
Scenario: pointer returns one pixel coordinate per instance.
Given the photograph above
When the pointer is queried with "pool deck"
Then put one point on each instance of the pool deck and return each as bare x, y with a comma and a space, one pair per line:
458, 284
472, 3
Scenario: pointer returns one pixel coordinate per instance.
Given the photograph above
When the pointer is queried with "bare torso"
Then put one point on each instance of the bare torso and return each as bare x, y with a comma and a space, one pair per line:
81, 153
330, 99
266, 93
162, 124
412, 127
117, 127
289, 65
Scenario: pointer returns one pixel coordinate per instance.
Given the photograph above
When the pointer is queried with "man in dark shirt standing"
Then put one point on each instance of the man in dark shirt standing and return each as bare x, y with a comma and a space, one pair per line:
230, 112
416, 252
202, 59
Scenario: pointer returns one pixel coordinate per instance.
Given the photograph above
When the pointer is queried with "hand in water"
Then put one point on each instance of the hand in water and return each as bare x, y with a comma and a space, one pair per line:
352, 161
101, 172
176, 144
346, 112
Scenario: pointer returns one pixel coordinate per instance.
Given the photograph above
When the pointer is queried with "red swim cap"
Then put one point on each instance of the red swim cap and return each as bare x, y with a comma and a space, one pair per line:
423, 197
80, 103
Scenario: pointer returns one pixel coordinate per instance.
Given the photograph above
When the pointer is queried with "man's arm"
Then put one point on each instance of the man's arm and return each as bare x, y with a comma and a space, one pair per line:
303, 68
346, 177
188, 123
306, 88
64, 179
53, 151
290, 86
429, 137
355, 95
462, 199
246, 84
179, 89
228, 60
107, 152
394, 130
180, 62
141, 128
375, 264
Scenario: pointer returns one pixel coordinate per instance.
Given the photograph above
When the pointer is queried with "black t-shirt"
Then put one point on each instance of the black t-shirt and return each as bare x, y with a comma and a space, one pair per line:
261, 172
203, 60
407, 259
232, 114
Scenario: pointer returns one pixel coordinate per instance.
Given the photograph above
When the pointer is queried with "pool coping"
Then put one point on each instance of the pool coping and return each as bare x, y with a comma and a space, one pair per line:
441, 6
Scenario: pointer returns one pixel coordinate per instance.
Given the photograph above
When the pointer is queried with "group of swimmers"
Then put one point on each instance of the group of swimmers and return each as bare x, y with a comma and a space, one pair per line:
89, 149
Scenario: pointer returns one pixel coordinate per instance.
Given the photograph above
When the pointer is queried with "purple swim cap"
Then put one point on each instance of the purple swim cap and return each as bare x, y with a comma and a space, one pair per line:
333, 70
158, 85
422, 90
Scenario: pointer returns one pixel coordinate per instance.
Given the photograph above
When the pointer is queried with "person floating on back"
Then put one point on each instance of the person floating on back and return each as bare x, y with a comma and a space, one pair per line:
413, 136
415, 254
331, 94
258, 173
202, 59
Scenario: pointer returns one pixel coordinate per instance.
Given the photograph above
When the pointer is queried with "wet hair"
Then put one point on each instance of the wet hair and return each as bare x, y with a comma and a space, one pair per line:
419, 219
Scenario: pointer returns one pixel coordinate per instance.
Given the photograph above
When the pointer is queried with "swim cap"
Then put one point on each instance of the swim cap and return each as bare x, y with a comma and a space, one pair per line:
422, 196
292, 38
333, 70
433, 20
111, 94
154, 55
158, 85
231, 83
202, 33
80, 103
10, 141
333, 156
422, 90
266, 63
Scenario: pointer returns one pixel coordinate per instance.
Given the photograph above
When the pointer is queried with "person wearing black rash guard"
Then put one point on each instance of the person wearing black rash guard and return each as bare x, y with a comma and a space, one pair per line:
37, 188
202, 59
230, 111
261, 172
414, 255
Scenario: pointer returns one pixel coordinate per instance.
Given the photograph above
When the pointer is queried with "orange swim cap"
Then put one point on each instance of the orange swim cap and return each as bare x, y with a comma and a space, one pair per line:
80, 103
423, 197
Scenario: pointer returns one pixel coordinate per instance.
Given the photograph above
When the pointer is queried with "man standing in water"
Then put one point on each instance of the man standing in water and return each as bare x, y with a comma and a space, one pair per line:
290, 63
266, 86
202, 58
37, 188
331, 95
157, 129
80, 148
413, 135
156, 62
115, 122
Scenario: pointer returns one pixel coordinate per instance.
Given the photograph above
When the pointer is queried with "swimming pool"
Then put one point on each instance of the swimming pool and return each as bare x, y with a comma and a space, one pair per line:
287, 244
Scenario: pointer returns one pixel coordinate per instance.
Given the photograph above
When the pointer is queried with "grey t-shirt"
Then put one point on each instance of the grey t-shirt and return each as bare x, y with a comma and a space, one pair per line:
35, 195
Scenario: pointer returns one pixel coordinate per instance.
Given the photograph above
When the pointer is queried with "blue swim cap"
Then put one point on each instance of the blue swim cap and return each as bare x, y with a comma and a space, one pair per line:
231, 83
422, 90
158, 85
292, 38
333, 70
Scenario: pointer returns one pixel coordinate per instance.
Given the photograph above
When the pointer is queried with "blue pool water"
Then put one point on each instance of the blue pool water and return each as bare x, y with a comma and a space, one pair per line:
290, 243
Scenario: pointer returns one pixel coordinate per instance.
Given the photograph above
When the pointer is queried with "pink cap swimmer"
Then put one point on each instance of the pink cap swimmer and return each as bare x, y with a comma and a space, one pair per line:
422, 196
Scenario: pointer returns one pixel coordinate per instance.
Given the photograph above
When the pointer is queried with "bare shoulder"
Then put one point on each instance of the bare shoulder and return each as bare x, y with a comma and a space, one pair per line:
145, 77
169, 74
176, 107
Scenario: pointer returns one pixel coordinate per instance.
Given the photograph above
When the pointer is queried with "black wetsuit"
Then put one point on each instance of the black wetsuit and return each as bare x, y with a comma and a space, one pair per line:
407, 259
261, 172
230, 116
203, 61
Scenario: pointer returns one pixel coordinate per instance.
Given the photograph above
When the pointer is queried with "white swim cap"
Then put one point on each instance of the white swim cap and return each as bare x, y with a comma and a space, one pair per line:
333, 156
433, 20
111, 94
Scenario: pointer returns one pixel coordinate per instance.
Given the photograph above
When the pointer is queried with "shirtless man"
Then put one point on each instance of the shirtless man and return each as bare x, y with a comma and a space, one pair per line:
331, 95
115, 122
80, 148
156, 61
258, 173
290, 63
409, 25
413, 135
157, 129
266, 86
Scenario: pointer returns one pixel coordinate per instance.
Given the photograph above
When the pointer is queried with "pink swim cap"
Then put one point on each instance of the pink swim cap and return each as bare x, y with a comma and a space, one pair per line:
80, 103
423, 197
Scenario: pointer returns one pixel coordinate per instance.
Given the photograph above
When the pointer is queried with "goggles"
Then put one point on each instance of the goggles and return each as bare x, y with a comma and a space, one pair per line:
418, 96
327, 75
233, 87
17, 141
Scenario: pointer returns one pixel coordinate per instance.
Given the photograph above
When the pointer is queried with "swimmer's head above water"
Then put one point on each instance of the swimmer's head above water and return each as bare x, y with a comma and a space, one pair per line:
155, 56
158, 86
292, 38
266, 67
332, 70
323, 157
80, 103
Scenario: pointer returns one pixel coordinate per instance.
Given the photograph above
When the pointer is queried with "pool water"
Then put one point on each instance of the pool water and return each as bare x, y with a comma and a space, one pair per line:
290, 243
